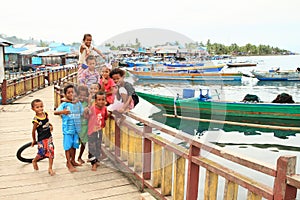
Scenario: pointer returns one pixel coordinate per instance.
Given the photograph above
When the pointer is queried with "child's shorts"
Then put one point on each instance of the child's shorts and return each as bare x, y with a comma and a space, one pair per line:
71, 141
46, 148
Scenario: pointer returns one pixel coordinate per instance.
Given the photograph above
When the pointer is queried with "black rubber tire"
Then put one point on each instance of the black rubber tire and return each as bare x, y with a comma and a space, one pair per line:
19, 153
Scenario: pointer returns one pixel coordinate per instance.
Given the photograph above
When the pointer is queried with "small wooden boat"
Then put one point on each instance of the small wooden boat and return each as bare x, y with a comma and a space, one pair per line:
278, 114
185, 74
241, 64
277, 75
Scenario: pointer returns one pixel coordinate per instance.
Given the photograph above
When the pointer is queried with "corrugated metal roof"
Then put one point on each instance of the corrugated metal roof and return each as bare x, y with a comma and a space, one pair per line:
63, 48
35, 50
51, 53
12, 50
4, 42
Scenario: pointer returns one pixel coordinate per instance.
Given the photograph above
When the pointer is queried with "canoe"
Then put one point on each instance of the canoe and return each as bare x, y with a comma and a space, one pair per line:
186, 74
241, 64
278, 114
273, 75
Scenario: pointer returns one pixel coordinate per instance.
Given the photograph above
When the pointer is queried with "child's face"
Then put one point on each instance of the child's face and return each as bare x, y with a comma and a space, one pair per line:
100, 101
91, 64
70, 94
82, 95
117, 78
88, 41
105, 72
38, 107
94, 88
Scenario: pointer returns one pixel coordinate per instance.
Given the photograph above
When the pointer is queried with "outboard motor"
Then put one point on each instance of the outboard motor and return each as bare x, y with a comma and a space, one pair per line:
204, 96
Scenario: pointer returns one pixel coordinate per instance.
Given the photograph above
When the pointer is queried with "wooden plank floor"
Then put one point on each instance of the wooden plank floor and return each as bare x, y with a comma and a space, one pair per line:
18, 180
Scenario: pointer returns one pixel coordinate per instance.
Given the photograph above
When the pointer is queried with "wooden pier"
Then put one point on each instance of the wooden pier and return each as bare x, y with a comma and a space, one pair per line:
166, 162
18, 180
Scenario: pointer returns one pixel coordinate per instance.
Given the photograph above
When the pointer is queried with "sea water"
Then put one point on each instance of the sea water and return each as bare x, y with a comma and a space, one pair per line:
263, 145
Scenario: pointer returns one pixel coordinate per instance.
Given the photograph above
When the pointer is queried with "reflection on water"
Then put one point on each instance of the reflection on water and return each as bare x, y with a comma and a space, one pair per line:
273, 147
279, 83
194, 127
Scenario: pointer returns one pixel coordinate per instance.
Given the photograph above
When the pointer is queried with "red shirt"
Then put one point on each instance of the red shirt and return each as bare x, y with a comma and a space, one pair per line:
107, 87
97, 119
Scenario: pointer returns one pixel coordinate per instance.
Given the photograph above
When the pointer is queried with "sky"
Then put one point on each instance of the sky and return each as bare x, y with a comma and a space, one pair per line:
269, 22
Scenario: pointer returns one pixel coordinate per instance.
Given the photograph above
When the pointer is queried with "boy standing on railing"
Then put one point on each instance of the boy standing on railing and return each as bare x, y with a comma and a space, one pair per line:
97, 115
71, 112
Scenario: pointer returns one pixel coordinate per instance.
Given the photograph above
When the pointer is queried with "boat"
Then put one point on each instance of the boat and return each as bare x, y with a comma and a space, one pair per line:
201, 73
182, 64
241, 64
203, 107
277, 75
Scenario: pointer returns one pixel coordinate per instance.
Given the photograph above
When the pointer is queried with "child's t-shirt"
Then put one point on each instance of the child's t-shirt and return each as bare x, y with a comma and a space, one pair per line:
97, 118
107, 88
71, 123
84, 121
43, 127
88, 78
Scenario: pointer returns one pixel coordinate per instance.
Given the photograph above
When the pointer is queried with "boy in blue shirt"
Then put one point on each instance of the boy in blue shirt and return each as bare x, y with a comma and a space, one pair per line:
70, 112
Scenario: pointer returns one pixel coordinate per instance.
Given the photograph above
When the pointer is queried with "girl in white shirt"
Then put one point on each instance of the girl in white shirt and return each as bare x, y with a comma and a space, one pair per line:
86, 49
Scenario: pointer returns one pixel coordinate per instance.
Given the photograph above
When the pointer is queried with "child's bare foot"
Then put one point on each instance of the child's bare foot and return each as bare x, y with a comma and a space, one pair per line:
71, 167
98, 163
80, 161
35, 165
51, 172
75, 164
94, 167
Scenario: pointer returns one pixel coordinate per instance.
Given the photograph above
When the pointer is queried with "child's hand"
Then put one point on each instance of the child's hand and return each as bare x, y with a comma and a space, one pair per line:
121, 110
104, 81
65, 112
86, 110
51, 128
75, 100
33, 143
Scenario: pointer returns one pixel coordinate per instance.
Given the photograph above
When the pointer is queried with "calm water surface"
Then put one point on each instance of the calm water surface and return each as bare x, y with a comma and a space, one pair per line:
263, 145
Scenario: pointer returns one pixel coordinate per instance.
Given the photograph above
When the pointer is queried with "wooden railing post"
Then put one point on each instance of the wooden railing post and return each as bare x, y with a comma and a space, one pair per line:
285, 166
4, 92
25, 88
147, 155
32, 82
15, 87
193, 174
117, 139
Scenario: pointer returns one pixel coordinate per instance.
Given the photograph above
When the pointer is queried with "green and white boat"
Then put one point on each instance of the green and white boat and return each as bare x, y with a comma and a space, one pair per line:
203, 107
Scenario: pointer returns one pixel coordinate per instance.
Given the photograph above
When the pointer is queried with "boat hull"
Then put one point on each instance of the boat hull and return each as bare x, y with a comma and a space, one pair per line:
187, 76
260, 113
241, 65
277, 76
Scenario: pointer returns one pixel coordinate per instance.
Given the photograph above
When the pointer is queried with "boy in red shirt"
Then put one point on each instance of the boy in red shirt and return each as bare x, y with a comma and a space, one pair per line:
97, 115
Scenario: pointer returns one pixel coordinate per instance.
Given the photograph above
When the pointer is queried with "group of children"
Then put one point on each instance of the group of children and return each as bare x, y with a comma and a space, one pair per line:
84, 110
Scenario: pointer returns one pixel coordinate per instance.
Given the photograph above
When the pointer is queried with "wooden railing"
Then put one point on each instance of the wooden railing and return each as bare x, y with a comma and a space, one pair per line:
17, 87
58, 93
170, 168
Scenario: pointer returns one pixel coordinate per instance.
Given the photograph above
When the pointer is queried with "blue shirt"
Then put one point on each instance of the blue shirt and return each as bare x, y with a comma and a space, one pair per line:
71, 123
